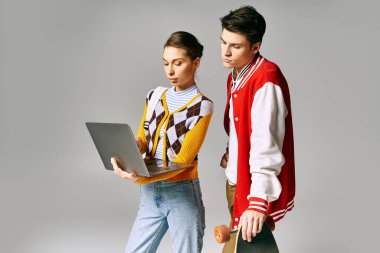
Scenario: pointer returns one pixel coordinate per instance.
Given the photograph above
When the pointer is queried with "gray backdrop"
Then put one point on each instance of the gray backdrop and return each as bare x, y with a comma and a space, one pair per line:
66, 62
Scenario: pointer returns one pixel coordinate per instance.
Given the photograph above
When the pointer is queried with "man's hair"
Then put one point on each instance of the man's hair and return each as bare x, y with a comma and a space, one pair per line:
247, 21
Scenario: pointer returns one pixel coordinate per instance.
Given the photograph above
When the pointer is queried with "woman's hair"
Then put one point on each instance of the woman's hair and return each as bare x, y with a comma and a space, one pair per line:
247, 21
186, 41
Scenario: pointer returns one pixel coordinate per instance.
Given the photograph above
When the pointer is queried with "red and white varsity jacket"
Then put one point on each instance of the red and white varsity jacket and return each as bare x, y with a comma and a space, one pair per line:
265, 180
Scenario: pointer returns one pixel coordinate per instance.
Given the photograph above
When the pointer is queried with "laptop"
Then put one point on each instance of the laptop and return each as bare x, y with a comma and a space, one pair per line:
117, 140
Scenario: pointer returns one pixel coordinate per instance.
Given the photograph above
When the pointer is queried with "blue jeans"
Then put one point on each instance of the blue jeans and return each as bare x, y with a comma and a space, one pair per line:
164, 205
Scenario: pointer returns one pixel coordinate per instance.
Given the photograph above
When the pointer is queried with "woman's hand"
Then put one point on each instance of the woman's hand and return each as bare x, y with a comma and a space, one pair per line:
140, 145
123, 174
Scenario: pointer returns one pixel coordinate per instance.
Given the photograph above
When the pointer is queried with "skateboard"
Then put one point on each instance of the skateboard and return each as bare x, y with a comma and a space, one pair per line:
263, 242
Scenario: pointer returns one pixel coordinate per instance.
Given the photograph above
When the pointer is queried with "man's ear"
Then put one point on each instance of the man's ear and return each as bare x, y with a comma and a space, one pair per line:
256, 47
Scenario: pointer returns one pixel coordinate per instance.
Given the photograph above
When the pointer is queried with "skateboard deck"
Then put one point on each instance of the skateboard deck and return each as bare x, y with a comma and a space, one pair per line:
263, 242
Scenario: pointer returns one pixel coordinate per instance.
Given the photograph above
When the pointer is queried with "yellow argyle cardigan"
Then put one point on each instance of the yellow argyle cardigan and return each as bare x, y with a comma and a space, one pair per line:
190, 143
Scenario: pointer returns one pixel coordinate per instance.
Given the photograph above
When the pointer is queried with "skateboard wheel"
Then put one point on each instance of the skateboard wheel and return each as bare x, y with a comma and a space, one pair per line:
222, 233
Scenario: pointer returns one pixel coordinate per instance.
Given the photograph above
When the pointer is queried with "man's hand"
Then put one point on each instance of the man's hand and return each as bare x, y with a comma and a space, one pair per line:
251, 223
123, 174
224, 161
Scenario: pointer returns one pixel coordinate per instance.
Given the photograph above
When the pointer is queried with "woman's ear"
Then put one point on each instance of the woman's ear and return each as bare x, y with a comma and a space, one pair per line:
197, 62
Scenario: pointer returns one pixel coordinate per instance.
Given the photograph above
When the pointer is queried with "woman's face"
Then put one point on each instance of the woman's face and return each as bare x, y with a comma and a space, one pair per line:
179, 68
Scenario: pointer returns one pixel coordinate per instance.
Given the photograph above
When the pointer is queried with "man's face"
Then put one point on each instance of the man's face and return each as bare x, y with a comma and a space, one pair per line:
236, 50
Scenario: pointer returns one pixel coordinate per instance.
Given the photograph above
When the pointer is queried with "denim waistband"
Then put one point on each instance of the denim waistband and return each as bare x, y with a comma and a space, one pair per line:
165, 183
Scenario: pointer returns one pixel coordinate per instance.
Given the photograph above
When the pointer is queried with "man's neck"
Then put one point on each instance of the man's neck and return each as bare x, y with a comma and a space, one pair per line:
238, 70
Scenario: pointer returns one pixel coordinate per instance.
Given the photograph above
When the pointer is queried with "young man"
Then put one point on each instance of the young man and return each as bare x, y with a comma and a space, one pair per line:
259, 162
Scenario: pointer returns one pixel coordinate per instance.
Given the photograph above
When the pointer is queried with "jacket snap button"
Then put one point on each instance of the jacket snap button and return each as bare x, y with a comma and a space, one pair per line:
236, 119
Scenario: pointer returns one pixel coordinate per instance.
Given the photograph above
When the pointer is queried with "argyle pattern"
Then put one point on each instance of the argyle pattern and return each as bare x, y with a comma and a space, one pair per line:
157, 116
178, 124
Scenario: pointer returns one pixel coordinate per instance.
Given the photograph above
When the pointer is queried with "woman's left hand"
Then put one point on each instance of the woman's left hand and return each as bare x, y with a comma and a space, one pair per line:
123, 174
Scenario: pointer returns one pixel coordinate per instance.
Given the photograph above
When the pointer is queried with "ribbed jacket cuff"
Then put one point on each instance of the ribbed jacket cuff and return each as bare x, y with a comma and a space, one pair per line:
258, 204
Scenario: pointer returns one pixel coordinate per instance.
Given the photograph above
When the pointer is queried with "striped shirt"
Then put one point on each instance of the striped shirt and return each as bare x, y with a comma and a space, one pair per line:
237, 78
174, 101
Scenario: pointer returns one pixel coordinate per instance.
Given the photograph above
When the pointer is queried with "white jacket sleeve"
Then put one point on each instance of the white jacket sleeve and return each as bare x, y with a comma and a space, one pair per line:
268, 115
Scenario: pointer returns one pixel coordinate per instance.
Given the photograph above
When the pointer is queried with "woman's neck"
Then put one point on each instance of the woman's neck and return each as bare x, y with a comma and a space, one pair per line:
183, 87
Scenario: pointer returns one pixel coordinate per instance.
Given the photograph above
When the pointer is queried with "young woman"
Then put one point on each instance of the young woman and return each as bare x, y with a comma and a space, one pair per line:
174, 132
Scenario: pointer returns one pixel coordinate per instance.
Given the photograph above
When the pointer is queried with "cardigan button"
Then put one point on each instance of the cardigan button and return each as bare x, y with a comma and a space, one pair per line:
235, 226
236, 119
235, 96
236, 219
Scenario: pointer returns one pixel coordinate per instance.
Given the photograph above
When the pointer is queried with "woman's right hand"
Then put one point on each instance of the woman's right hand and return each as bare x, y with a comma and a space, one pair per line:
123, 174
